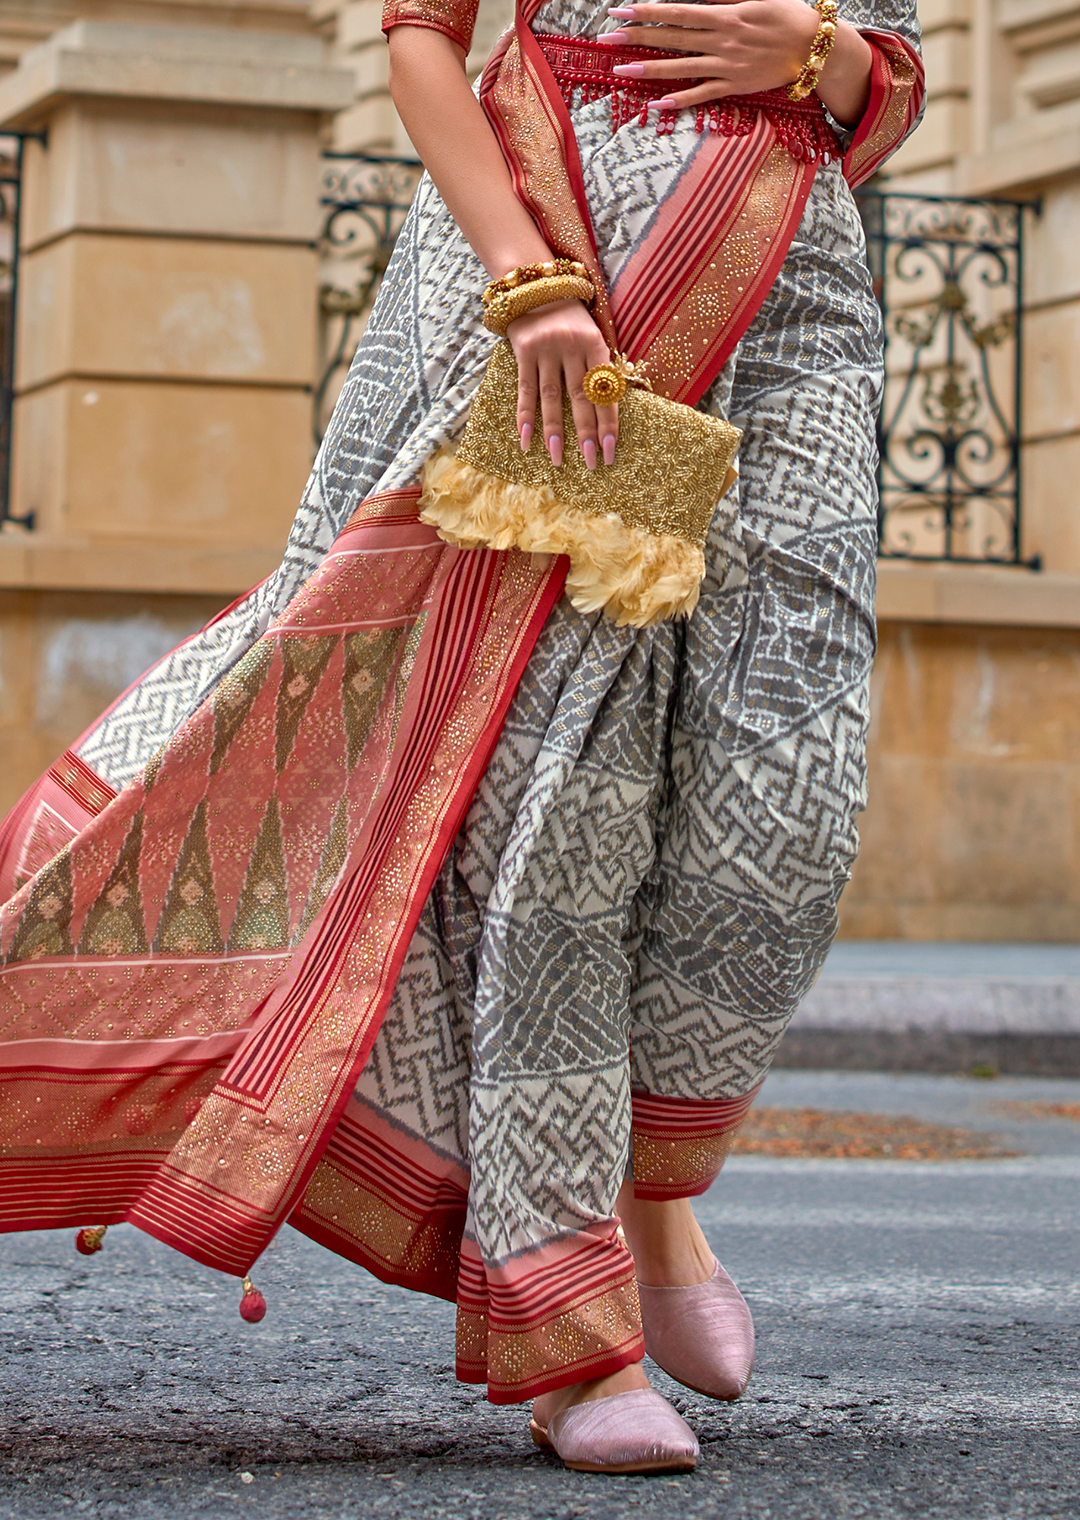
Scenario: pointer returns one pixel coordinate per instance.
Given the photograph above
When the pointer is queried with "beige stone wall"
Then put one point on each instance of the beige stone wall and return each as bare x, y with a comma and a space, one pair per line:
168, 308
973, 828
65, 655
168, 321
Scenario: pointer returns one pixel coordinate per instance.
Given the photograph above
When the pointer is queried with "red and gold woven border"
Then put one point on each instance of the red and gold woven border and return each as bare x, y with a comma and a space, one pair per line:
680, 1144
897, 85
454, 18
559, 1315
386, 1201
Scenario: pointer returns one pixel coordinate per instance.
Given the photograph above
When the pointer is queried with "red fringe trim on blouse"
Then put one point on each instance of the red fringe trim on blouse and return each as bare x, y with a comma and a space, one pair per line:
579, 63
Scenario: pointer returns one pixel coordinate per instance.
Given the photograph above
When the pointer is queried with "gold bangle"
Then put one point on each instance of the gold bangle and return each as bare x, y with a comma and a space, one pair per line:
506, 308
525, 274
806, 81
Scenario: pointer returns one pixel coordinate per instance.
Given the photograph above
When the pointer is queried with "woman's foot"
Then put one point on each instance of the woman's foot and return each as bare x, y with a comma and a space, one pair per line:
616, 1424
626, 1380
697, 1325
702, 1335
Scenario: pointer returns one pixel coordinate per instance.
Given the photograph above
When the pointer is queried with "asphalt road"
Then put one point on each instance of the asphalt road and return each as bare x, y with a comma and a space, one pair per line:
919, 1347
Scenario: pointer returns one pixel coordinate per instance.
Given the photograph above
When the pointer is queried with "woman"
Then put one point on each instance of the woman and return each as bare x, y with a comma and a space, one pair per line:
412, 906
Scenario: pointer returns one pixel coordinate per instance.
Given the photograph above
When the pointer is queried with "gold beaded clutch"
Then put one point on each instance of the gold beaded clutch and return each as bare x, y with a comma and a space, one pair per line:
634, 530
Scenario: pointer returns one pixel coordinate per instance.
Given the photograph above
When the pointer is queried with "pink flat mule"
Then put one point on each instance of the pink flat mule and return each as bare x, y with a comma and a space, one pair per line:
634, 1432
701, 1335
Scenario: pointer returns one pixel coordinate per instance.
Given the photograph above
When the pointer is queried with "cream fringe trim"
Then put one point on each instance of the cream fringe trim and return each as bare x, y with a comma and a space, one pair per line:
637, 578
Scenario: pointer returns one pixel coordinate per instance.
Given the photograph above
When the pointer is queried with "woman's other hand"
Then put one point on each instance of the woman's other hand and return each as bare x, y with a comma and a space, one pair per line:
554, 347
744, 46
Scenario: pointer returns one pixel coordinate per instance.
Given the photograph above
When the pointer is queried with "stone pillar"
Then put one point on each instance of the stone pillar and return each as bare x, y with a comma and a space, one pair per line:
167, 317
168, 313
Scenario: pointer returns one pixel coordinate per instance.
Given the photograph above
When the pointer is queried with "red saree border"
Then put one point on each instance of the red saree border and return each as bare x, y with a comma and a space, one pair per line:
562, 1314
690, 291
382, 1198
273, 1031
568, 1311
454, 18
47, 817
107, 1180
680, 1144
897, 86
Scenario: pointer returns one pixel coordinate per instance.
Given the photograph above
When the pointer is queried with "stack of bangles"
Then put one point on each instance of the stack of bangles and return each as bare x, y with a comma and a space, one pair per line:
532, 285
820, 49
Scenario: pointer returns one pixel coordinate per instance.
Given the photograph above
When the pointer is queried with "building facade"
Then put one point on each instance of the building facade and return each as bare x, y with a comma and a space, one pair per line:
170, 334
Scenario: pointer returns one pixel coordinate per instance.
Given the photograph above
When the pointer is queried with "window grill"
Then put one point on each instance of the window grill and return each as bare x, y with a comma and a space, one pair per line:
948, 273
364, 199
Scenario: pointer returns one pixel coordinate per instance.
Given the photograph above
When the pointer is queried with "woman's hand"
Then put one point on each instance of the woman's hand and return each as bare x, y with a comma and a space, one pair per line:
554, 346
744, 46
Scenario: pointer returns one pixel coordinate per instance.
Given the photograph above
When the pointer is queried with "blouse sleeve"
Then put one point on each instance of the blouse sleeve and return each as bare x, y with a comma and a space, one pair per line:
454, 18
897, 83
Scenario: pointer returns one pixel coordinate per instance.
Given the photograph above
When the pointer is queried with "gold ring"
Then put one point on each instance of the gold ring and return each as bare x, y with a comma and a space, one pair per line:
603, 385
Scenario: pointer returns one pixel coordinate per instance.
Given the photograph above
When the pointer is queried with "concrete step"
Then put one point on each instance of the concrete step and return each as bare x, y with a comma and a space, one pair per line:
901, 1006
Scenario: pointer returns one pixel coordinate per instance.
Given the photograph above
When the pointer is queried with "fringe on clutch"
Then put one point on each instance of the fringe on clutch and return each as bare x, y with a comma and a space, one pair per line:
634, 531
635, 577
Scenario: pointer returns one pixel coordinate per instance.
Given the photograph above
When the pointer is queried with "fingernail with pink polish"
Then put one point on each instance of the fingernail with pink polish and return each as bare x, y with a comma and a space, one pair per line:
555, 449
622, 12
609, 448
526, 436
668, 103
614, 37
588, 448
629, 70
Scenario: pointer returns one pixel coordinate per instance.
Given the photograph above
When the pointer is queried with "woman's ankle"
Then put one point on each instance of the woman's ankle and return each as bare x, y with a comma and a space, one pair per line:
665, 1240
548, 1405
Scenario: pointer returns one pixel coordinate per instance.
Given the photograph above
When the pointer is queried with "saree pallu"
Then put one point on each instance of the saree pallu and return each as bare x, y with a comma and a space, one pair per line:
402, 902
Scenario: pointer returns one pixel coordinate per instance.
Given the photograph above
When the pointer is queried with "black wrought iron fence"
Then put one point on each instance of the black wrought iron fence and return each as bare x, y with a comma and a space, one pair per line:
948, 272
364, 198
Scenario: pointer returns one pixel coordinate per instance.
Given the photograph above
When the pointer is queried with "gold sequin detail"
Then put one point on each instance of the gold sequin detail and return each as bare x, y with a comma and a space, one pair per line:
582, 1337
398, 1240
670, 467
454, 18
676, 1165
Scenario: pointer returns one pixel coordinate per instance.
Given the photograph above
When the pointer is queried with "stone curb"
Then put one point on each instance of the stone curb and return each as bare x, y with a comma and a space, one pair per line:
943, 1008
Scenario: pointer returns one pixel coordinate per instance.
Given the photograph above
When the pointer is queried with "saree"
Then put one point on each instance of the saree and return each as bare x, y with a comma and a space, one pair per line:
408, 906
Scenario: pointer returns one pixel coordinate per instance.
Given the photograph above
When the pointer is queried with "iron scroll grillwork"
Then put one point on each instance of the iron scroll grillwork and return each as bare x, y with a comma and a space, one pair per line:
365, 198
948, 273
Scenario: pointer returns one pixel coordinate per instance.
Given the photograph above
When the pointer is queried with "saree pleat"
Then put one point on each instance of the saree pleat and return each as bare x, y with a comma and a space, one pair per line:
410, 906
